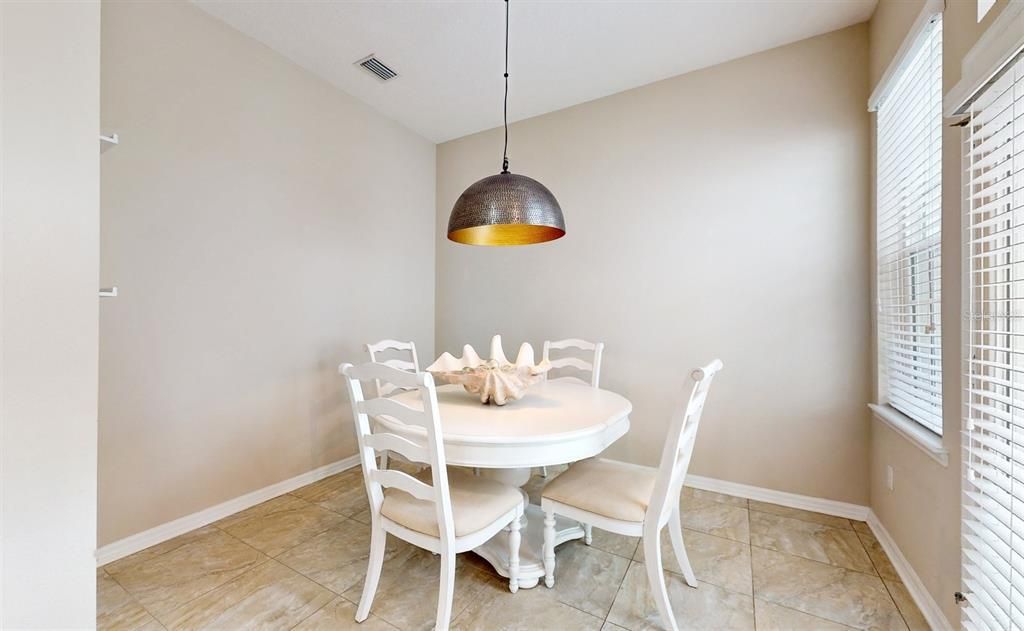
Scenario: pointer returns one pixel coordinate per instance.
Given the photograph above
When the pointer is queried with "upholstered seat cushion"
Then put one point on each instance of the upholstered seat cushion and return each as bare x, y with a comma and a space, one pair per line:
618, 490
476, 503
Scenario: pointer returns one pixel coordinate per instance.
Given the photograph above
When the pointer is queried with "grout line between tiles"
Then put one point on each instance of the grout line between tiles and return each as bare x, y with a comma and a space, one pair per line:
618, 590
571, 606
753, 594
134, 599
805, 613
315, 612
192, 600
708, 534
895, 604
797, 556
809, 521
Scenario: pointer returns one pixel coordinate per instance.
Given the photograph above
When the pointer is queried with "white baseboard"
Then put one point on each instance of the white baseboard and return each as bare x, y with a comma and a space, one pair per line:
782, 498
929, 608
159, 534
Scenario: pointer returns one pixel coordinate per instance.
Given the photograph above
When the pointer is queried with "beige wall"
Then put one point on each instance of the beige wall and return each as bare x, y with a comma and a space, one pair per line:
49, 263
720, 213
922, 513
261, 226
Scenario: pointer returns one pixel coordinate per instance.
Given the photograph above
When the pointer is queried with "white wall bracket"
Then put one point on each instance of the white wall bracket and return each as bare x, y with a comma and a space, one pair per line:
108, 141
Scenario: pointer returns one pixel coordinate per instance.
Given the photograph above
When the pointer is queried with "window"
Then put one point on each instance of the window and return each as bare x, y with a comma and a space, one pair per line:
993, 510
909, 227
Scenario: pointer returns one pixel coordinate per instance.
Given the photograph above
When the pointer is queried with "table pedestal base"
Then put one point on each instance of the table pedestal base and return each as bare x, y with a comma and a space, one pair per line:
531, 549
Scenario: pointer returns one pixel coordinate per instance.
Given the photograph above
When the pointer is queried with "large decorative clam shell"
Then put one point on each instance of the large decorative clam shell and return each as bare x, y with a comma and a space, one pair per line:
496, 380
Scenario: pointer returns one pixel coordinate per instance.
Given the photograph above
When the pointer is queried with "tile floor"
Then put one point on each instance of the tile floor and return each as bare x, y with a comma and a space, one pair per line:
297, 562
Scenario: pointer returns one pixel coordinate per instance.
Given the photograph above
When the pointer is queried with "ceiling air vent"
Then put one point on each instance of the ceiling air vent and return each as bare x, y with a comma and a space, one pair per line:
377, 68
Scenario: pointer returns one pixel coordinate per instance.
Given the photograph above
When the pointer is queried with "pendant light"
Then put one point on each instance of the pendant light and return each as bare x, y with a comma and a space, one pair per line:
507, 208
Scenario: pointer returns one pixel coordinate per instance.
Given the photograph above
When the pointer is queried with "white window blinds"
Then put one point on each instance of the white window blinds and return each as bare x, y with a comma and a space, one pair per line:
993, 532
909, 226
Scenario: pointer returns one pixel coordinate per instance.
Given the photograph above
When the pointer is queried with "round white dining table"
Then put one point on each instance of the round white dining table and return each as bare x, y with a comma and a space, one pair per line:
556, 422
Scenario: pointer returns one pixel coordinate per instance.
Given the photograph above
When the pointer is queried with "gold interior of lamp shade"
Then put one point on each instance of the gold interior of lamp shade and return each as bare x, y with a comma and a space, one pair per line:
505, 234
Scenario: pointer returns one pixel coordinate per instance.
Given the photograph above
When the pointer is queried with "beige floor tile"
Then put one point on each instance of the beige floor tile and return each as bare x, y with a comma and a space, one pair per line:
608, 626
270, 596
716, 518
280, 524
803, 515
116, 610
834, 593
185, 570
619, 545
407, 592
496, 609
362, 516
337, 558
861, 526
698, 495
344, 493
883, 566
908, 608
772, 617
587, 578
706, 607
340, 615
715, 560
809, 540
159, 549
330, 485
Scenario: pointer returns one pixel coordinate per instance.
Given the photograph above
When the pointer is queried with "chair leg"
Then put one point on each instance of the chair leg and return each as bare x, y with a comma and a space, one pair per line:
543, 472
675, 529
656, 577
514, 538
378, 539
383, 460
445, 591
549, 548
588, 534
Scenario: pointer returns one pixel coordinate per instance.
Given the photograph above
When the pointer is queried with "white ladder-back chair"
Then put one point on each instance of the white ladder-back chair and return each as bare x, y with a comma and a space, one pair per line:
593, 366
445, 512
634, 500
383, 346
387, 389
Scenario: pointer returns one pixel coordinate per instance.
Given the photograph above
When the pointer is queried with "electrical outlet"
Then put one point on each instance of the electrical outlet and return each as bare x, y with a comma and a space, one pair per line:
890, 478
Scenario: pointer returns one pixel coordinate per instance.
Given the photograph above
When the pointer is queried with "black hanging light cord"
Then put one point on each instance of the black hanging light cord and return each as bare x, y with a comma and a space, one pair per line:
504, 160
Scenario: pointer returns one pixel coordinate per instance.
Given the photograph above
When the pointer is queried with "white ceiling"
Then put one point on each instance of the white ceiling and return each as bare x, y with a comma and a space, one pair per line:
449, 54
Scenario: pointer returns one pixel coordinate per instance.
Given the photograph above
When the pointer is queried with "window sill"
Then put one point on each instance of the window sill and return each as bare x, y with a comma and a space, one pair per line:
925, 440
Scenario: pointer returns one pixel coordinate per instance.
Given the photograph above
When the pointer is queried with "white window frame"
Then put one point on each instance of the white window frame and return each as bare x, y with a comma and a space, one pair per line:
922, 434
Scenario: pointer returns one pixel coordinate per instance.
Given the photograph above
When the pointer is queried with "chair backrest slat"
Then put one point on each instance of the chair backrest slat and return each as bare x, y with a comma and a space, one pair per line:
394, 409
411, 365
415, 444
393, 442
400, 364
571, 343
678, 450
574, 362
593, 367
390, 478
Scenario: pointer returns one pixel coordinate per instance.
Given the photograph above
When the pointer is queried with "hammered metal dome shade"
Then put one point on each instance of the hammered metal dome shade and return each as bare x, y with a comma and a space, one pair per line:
506, 209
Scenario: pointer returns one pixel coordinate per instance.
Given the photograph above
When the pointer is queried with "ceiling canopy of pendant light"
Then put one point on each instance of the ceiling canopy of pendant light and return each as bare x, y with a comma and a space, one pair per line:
507, 208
